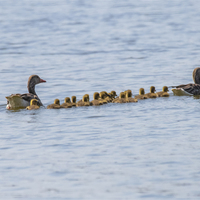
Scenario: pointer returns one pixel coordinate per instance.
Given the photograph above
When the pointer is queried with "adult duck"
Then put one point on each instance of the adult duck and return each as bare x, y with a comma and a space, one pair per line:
16, 101
191, 88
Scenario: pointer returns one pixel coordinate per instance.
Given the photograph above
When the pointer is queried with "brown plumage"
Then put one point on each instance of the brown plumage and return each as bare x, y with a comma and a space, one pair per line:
189, 89
67, 103
73, 100
96, 101
129, 98
84, 102
33, 105
141, 94
151, 94
120, 99
16, 101
55, 105
164, 92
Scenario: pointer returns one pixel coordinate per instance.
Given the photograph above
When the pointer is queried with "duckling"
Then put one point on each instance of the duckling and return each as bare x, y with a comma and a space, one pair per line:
96, 101
121, 98
103, 97
67, 103
84, 102
73, 100
151, 94
164, 92
129, 98
34, 104
141, 94
113, 94
55, 105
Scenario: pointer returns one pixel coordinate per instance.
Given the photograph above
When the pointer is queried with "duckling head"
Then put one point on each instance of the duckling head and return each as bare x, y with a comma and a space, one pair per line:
152, 89
141, 91
87, 95
73, 99
34, 102
85, 98
96, 96
67, 100
57, 101
113, 93
102, 95
165, 89
122, 95
128, 93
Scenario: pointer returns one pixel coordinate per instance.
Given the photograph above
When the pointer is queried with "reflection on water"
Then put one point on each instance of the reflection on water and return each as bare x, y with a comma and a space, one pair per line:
149, 149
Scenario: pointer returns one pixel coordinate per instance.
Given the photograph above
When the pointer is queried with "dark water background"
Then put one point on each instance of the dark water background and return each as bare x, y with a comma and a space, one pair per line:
148, 150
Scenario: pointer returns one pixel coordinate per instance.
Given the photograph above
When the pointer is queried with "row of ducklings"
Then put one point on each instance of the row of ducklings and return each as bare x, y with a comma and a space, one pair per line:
103, 98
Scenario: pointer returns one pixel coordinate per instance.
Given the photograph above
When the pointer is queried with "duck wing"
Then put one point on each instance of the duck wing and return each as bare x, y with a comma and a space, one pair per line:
189, 89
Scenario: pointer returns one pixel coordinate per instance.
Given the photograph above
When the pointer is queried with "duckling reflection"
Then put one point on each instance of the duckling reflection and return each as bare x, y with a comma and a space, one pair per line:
164, 92
151, 94
67, 103
120, 99
141, 94
129, 98
96, 101
34, 104
55, 105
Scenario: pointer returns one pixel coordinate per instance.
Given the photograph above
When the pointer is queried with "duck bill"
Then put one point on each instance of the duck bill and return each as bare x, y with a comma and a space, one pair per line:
42, 81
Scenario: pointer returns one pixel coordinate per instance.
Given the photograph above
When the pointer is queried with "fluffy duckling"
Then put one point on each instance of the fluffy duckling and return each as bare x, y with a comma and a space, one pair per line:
67, 103
73, 100
96, 101
103, 97
34, 104
164, 92
113, 94
129, 98
151, 94
121, 98
55, 105
84, 102
141, 94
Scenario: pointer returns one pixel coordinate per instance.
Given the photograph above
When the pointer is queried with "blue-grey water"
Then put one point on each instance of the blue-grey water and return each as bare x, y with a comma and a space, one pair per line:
144, 150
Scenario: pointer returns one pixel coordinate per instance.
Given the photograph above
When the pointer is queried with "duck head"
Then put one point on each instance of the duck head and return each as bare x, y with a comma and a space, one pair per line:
32, 81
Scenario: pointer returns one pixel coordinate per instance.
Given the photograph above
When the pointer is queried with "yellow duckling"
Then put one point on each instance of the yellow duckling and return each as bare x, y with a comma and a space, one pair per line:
141, 94
34, 104
96, 101
151, 94
55, 105
164, 92
73, 100
67, 103
113, 94
120, 99
103, 97
129, 98
84, 102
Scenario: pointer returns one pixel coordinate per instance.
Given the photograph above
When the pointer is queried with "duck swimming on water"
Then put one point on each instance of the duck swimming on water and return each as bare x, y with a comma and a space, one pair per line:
55, 105
191, 88
164, 92
16, 101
